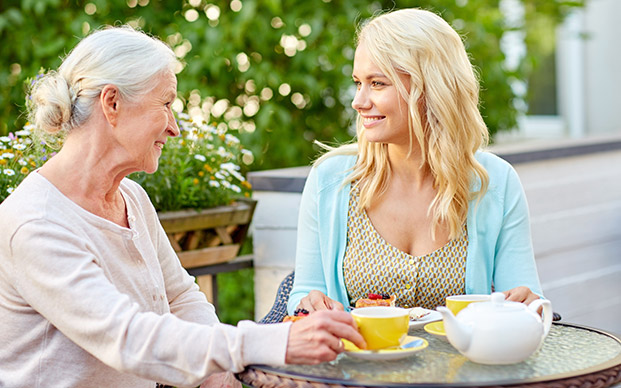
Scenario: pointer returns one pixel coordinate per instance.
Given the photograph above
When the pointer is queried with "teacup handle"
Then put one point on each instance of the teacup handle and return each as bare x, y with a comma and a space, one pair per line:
547, 313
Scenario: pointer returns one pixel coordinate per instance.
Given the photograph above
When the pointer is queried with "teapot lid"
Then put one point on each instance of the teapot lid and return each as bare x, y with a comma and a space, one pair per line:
497, 304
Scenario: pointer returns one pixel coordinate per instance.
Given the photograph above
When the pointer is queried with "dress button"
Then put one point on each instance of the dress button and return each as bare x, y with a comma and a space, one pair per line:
154, 298
408, 286
412, 262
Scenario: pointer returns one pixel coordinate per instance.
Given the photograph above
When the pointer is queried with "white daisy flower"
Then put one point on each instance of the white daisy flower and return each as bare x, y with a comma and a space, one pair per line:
237, 175
229, 166
200, 157
9, 172
231, 139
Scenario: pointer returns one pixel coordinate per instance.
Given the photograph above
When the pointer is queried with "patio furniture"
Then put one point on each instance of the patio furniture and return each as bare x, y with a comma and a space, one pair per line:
571, 356
279, 308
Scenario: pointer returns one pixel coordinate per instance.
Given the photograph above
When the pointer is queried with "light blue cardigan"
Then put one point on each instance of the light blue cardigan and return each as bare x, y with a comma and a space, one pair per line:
499, 242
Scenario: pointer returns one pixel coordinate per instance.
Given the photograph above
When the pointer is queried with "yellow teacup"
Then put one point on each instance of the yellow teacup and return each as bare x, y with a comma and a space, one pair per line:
456, 303
381, 326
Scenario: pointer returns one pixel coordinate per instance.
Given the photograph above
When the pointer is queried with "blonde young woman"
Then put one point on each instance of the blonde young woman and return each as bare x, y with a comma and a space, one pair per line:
415, 209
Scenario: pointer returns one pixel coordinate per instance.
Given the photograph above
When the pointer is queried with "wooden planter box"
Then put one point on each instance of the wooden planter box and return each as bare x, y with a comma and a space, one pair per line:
208, 236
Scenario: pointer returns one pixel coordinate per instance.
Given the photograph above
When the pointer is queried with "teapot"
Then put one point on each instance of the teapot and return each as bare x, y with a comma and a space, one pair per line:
499, 331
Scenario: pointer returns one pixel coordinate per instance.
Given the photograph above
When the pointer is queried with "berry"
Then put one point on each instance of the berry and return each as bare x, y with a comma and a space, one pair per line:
375, 296
385, 296
300, 312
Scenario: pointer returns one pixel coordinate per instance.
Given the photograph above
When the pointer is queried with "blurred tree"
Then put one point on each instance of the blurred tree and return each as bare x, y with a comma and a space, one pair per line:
279, 71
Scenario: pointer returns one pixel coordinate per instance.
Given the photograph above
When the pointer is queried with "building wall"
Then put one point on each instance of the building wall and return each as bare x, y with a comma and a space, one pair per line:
588, 63
602, 32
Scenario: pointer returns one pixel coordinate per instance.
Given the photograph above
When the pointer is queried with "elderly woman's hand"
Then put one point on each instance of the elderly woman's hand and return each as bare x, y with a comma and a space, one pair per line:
317, 338
521, 294
317, 300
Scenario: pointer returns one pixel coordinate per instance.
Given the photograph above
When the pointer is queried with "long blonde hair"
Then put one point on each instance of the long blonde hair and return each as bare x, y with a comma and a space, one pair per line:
443, 105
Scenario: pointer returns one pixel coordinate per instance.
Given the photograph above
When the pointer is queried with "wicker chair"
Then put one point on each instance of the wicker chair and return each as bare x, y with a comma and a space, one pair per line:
279, 308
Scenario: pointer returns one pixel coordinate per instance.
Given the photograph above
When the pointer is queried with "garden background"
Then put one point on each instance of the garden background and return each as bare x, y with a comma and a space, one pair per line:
277, 72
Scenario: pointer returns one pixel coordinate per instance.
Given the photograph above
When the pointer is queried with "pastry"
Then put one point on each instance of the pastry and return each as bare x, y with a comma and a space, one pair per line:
376, 300
297, 315
417, 313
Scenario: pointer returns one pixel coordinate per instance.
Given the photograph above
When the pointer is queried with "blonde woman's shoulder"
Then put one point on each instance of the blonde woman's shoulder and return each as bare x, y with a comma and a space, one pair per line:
339, 155
492, 162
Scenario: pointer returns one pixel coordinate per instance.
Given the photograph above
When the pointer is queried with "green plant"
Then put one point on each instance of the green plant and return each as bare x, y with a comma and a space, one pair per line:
201, 168
19, 155
278, 71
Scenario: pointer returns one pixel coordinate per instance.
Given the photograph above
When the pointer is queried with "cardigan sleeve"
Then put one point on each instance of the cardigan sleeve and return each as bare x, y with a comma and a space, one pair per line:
308, 265
514, 263
185, 299
55, 272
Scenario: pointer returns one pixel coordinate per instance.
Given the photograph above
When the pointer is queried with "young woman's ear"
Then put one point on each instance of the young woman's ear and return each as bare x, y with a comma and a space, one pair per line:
109, 99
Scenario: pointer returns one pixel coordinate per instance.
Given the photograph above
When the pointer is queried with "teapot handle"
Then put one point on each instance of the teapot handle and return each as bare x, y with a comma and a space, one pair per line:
547, 313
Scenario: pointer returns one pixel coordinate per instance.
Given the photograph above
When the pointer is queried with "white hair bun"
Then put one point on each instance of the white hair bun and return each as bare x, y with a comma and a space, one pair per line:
51, 100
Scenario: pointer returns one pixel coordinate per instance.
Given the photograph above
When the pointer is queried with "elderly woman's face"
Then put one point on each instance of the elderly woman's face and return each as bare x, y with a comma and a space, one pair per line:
384, 113
150, 123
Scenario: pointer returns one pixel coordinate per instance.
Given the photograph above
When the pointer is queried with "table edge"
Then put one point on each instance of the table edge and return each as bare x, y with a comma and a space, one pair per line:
603, 368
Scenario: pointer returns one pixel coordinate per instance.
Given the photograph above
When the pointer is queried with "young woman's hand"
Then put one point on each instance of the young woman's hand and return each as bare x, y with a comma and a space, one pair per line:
317, 337
317, 300
521, 294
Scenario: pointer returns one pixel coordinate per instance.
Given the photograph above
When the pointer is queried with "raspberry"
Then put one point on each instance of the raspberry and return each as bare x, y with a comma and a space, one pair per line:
375, 296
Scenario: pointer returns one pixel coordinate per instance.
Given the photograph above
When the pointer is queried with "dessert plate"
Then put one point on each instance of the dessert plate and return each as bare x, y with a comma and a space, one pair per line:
409, 346
431, 316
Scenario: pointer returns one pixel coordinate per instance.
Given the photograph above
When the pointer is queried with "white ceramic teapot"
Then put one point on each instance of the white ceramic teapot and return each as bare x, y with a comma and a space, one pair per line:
498, 331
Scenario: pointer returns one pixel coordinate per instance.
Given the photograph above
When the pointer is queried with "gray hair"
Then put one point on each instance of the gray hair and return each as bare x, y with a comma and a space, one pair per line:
121, 56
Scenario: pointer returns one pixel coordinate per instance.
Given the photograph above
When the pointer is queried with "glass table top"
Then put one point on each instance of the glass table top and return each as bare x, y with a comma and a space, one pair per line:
567, 351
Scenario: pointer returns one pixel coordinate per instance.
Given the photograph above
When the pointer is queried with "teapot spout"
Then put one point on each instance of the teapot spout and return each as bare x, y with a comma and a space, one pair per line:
459, 334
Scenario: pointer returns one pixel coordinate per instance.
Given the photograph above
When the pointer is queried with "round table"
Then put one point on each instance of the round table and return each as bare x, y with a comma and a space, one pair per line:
571, 356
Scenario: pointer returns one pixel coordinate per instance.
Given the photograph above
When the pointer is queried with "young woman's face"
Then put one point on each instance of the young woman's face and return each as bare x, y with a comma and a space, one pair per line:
383, 111
150, 123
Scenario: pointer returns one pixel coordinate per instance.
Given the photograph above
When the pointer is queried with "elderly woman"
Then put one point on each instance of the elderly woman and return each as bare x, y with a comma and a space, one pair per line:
414, 209
91, 291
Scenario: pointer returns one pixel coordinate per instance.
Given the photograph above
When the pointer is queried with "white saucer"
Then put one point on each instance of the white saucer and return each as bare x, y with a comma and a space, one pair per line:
431, 317
409, 346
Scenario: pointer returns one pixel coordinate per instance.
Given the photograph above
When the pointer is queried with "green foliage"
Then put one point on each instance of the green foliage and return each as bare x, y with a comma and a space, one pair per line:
200, 168
236, 296
19, 155
238, 56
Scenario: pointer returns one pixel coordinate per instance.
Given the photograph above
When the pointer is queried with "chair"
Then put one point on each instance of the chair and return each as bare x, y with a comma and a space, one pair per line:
279, 309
